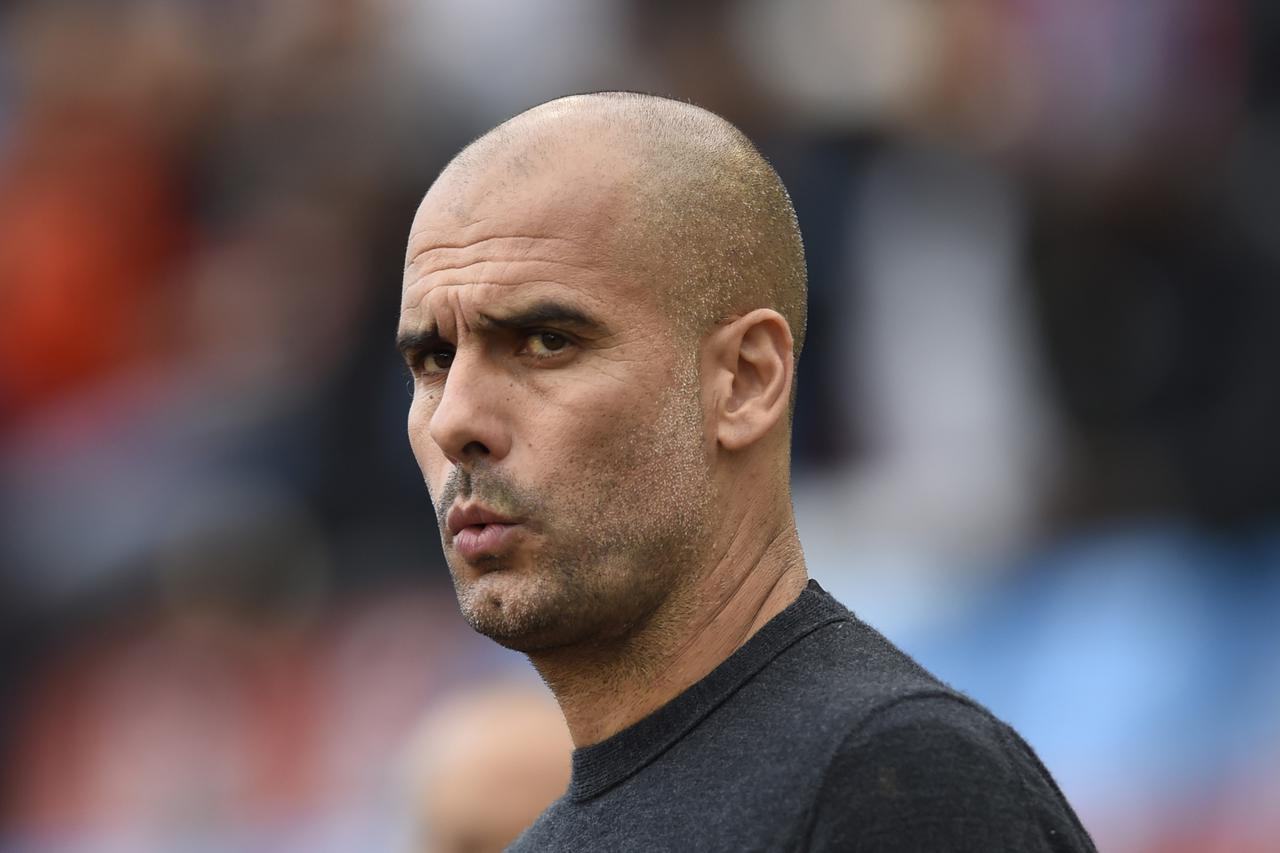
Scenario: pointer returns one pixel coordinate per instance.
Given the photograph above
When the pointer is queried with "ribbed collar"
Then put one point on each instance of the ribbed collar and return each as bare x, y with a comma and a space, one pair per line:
599, 767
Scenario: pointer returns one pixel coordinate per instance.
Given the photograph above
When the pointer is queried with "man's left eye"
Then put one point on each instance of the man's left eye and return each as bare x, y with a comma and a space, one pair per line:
546, 343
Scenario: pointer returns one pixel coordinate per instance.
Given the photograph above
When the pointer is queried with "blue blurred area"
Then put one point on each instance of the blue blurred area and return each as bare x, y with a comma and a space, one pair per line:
1141, 664
1037, 440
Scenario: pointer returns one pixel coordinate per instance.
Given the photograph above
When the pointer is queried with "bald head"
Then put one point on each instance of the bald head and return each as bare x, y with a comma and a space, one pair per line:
602, 303
690, 204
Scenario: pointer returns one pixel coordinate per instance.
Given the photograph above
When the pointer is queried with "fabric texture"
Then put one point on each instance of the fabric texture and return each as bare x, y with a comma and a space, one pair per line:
817, 735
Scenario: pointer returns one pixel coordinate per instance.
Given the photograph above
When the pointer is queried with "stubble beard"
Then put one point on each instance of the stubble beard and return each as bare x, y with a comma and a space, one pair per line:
611, 553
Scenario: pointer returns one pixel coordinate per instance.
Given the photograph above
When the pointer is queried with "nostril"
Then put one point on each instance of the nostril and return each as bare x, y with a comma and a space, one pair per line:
475, 448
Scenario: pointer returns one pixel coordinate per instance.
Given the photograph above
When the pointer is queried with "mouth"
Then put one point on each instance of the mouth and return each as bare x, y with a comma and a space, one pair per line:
478, 531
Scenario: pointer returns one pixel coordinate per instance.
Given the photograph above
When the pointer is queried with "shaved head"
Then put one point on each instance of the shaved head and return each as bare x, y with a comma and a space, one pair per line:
697, 211
602, 306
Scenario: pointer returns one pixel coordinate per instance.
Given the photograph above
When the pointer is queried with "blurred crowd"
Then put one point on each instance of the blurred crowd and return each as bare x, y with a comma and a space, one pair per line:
1037, 438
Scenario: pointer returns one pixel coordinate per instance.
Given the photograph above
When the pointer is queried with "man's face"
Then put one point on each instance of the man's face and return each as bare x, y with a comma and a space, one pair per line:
556, 413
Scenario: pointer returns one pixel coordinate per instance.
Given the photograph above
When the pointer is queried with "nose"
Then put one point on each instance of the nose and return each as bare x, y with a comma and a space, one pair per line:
469, 422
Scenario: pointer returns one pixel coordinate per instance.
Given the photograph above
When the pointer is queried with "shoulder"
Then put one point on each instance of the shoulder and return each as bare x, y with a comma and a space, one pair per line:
546, 832
935, 771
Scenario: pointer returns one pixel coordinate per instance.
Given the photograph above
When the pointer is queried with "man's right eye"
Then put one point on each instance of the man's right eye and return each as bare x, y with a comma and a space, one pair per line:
436, 362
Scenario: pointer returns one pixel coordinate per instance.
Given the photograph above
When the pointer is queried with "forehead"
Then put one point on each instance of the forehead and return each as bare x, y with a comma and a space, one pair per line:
516, 236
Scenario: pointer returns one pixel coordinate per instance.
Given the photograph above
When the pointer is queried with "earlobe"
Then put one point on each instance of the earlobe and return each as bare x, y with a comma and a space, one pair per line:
756, 363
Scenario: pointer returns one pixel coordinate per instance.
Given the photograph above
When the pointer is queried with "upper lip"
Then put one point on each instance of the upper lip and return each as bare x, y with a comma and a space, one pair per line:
466, 516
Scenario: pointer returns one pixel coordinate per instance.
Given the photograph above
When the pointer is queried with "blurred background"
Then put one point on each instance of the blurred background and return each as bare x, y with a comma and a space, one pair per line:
1038, 434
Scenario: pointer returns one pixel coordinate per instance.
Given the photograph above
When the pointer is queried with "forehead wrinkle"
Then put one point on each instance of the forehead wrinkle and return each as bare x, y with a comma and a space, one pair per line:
502, 261
418, 236
445, 251
580, 293
428, 258
497, 259
535, 210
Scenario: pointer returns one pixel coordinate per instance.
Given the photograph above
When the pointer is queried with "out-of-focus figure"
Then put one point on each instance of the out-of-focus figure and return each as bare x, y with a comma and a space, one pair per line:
483, 765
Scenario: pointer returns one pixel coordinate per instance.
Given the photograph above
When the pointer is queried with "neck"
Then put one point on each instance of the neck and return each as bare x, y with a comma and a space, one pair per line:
751, 575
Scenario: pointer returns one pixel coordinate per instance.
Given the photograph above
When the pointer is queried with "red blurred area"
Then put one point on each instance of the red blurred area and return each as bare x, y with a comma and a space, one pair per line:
94, 223
168, 723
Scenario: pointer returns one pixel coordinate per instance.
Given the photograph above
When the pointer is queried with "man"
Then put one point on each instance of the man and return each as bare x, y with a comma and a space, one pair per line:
604, 299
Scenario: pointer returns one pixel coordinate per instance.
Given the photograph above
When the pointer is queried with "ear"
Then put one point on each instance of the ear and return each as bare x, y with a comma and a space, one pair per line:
752, 374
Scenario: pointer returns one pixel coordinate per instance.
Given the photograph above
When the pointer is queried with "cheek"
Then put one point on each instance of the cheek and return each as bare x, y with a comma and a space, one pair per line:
564, 447
625, 438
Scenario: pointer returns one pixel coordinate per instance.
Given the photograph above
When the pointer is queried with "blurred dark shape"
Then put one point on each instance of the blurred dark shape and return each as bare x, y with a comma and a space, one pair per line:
1160, 328
248, 562
1158, 303
1263, 34
690, 48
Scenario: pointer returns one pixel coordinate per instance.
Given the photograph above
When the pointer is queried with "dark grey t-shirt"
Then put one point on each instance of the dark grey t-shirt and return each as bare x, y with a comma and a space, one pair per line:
817, 735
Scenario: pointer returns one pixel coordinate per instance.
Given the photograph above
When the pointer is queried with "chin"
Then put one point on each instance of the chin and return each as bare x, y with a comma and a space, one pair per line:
514, 610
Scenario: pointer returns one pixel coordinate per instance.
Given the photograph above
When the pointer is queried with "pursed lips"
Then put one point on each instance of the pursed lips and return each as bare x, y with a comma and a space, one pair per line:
478, 531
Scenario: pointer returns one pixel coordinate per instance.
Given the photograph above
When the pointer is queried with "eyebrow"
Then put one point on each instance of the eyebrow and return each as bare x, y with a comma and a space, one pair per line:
409, 344
544, 313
